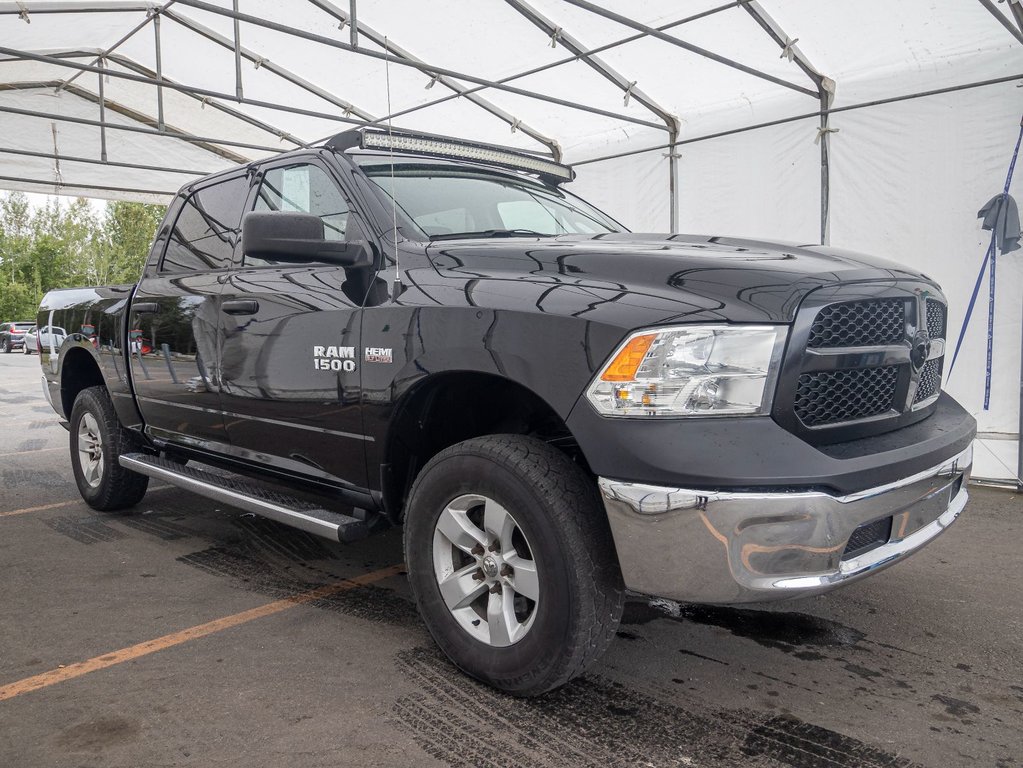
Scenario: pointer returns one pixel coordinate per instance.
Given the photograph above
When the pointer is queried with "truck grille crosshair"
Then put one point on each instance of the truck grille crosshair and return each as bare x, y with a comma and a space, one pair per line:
875, 359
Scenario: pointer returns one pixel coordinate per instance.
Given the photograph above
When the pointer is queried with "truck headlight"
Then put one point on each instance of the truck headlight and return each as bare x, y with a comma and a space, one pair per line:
692, 370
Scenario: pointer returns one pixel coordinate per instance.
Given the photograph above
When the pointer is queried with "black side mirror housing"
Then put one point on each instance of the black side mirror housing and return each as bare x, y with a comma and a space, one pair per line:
297, 238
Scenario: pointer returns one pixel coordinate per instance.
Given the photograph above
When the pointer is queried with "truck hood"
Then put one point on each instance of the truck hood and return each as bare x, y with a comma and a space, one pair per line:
654, 278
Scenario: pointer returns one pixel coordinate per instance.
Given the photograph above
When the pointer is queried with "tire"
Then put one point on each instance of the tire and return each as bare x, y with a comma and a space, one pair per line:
25, 350
557, 549
6, 347
95, 432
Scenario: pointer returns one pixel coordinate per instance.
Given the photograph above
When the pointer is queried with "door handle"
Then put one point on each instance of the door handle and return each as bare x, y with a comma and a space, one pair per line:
240, 307
145, 307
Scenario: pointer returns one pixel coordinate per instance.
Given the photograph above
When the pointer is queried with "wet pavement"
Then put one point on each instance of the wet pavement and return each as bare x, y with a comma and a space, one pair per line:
172, 636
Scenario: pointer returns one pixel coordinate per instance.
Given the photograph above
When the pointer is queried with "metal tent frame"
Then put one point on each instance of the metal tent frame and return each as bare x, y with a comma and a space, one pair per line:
337, 109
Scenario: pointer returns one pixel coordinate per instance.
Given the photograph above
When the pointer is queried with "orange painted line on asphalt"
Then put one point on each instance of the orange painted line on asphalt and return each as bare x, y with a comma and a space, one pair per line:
80, 668
62, 504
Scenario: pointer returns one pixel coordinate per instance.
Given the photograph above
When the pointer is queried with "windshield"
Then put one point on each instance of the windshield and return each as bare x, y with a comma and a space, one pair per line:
445, 202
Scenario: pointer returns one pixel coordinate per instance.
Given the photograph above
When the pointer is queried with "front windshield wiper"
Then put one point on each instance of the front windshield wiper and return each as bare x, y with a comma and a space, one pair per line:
490, 233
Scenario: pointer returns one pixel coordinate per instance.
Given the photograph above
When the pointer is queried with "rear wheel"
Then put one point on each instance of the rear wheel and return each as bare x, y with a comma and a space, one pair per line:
97, 440
511, 562
6, 346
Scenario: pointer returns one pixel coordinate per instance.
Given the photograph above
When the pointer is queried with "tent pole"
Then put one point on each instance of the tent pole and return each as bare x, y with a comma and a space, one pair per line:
673, 182
459, 90
94, 161
159, 73
237, 56
277, 69
45, 182
353, 22
363, 51
652, 32
186, 89
806, 116
1019, 436
825, 141
102, 115
569, 41
1017, 13
151, 13
191, 138
568, 59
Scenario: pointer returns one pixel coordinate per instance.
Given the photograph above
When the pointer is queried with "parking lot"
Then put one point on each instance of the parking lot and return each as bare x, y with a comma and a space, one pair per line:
188, 633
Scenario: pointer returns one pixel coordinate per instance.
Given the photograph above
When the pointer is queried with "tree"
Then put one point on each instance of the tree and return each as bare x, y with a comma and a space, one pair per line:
60, 245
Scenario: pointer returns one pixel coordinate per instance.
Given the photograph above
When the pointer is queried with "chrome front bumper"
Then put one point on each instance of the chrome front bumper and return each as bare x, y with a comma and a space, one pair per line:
725, 547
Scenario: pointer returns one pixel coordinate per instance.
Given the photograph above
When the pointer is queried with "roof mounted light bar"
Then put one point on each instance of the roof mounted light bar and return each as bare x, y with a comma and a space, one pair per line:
455, 149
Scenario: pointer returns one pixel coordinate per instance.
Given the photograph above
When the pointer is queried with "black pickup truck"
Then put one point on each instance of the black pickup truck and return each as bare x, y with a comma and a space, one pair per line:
434, 333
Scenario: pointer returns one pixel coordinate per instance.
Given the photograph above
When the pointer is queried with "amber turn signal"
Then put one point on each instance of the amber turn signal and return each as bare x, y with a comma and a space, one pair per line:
627, 362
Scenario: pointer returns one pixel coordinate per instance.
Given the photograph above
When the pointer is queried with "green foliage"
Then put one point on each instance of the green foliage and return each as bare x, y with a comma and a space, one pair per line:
65, 245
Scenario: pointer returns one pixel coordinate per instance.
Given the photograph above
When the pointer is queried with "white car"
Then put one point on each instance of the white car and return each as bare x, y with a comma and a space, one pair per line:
44, 336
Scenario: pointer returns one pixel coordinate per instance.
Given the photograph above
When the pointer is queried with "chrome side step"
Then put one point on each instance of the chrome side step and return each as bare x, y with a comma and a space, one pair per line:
252, 498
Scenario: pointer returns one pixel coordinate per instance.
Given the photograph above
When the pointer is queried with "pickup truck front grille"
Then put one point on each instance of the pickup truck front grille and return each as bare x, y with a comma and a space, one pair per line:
862, 365
930, 381
936, 319
833, 396
859, 324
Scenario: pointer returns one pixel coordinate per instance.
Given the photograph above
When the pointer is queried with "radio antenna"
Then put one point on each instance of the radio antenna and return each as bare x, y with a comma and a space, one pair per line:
397, 287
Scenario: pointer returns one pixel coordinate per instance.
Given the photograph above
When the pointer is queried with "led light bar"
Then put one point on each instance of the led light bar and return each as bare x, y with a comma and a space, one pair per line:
442, 147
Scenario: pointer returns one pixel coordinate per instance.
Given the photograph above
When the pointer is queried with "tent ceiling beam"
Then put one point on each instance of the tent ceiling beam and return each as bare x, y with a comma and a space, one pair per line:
204, 142
134, 66
260, 61
139, 117
331, 43
459, 90
806, 116
653, 32
95, 161
59, 185
147, 76
786, 43
1017, 13
628, 87
61, 59
570, 59
17, 8
126, 37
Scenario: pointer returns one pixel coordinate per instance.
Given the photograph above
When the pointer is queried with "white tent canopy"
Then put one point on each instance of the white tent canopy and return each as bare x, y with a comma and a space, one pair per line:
876, 125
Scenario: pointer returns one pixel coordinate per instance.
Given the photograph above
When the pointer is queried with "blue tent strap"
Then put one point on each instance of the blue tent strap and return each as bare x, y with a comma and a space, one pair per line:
989, 256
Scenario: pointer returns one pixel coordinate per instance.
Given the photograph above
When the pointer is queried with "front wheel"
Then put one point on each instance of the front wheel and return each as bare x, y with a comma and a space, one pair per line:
97, 440
511, 562
6, 346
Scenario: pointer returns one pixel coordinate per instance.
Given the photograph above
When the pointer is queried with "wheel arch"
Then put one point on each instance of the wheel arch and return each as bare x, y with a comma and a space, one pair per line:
79, 370
448, 407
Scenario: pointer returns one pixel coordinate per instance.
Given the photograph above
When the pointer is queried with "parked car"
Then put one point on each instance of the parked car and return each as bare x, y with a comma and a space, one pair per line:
555, 409
44, 337
12, 335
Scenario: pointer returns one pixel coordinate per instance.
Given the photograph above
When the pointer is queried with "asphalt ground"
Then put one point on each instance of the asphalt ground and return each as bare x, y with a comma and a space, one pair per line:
191, 634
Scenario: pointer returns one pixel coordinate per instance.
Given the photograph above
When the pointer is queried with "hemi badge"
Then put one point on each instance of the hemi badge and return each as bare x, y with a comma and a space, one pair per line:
378, 354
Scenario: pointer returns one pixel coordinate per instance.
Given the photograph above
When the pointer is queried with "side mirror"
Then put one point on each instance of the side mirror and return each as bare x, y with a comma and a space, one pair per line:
297, 238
